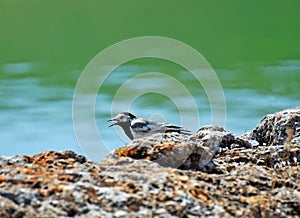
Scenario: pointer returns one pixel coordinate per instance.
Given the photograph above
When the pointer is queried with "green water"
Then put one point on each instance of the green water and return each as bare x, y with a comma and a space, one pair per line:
45, 45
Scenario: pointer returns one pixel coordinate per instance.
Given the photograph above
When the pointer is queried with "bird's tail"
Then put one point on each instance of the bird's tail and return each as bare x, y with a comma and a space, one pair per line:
171, 128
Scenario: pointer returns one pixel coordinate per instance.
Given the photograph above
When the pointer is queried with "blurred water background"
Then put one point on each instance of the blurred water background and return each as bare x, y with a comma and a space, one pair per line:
45, 45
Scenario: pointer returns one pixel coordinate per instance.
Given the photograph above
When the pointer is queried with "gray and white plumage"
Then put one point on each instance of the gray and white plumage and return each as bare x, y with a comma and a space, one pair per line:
135, 127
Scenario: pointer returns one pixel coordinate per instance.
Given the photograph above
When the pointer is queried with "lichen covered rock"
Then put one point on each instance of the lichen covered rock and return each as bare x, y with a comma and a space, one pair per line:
279, 128
245, 179
190, 152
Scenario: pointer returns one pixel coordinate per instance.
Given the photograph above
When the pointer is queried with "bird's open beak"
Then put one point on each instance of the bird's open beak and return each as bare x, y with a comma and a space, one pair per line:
112, 120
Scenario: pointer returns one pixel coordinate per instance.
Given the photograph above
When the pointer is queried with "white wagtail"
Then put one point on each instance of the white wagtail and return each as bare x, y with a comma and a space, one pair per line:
135, 127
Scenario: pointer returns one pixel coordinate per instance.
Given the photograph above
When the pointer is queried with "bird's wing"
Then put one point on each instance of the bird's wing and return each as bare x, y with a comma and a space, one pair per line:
140, 125
147, 126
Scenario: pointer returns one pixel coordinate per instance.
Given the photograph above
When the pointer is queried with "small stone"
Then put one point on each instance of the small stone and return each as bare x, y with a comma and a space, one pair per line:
120, 213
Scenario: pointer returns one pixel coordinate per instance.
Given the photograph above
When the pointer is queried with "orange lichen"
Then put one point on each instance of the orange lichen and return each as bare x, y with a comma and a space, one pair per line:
278, 118
34, 170
92, 193
134, 207
126, 152
198, 193
164, 147
290, 135
129, 187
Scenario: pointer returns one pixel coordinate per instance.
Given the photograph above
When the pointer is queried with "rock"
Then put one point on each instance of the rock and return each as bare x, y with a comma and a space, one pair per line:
278, 135
279, 128
182, 151
246, 179
126, 187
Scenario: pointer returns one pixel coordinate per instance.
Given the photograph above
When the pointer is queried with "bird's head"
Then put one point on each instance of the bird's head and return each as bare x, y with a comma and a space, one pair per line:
122, 118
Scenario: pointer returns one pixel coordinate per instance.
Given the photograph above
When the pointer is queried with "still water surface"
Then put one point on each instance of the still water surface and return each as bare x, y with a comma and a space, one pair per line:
36, 117
44, 46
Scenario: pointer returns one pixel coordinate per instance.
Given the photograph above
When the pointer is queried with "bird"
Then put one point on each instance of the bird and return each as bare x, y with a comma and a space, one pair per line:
135, 127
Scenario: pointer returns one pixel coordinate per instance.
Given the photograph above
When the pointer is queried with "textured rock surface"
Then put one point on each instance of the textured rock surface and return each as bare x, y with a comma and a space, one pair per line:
174, 150
278, 128
252, 180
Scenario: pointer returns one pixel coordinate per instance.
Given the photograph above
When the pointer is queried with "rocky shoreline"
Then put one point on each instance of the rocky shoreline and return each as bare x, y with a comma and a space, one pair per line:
210, 174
